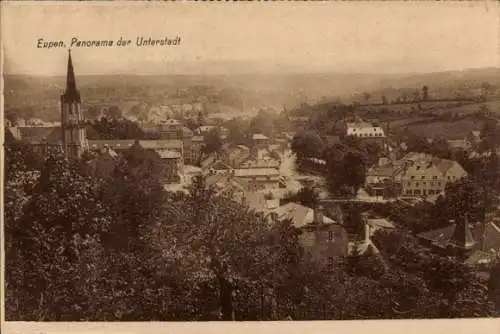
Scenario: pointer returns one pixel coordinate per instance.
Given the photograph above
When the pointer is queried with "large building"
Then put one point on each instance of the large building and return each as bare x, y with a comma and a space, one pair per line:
70, 135
364, 130
415, 175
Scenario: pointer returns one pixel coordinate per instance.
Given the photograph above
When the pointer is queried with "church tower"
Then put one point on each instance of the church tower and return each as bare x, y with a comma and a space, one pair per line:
74, 135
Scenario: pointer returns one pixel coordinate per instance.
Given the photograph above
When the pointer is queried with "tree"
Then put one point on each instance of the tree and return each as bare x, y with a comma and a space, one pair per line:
490, 135
347, 172
494, 287
206, 230
307, 144
112, 128
114, 112
485, 91
264, 122
135, 195
440, 148
425, 92
306, 196
61, 212
213, 142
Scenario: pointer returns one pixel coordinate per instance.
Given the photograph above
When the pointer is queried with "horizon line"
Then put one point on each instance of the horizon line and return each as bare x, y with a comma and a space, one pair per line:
236, 73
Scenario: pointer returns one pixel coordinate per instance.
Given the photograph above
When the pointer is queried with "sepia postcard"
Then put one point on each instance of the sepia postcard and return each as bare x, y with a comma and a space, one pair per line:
233, 167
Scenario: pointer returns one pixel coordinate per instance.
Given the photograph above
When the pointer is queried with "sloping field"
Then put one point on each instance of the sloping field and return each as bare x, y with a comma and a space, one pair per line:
447, 129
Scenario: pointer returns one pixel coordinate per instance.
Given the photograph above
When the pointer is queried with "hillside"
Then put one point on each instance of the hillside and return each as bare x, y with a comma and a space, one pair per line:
239, 94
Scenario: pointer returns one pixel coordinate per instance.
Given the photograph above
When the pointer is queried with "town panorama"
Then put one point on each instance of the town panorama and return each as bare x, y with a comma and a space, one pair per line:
133, 199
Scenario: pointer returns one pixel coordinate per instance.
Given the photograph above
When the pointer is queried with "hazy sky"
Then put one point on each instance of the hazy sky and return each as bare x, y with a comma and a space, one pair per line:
255, 36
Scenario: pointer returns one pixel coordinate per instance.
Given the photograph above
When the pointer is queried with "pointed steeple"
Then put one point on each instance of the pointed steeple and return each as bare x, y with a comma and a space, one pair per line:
71, 94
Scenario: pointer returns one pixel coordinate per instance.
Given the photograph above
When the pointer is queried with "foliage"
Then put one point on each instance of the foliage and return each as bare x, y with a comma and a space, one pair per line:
213, 142
307, 145
306, 196
115, 128
81, 248
346, 172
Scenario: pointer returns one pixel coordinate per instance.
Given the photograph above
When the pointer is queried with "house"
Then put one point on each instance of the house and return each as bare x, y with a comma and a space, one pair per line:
115, 145
468, 143
475, 244
193, 149
414, 175
298, 123
171, 129
238, 190
204, 129
226, 185
321, 237
258, 178
217, 167
364, 130
39, 137
364, 246
237, 155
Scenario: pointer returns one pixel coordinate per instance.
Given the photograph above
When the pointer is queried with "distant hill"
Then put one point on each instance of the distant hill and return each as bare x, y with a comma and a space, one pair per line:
241, 92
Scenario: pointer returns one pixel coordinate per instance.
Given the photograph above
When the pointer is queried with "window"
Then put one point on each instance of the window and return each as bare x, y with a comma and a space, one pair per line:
408, 192
416, 184
424, 184
412, 177
434, 177
409, 184
330, 235
423, 177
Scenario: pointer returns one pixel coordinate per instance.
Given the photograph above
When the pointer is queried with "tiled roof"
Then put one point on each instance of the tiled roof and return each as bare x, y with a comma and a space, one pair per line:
479, 257
113, 144
380, 223
198, 138
39, 134
300, 215
243, 147
213, 179
259, 136
458, 143
386, 170
256, 172
160, 144
442, 237
439, 237
170, 155
443, 164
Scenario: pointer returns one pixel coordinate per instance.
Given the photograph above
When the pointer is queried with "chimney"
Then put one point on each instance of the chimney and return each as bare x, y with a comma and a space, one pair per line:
318, 215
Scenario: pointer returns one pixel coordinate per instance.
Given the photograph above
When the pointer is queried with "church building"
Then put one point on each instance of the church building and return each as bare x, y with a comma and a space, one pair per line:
71, 135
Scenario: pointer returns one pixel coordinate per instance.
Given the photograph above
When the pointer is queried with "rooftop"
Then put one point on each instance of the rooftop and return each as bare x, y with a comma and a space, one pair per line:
246, 172
300, 215
259, 136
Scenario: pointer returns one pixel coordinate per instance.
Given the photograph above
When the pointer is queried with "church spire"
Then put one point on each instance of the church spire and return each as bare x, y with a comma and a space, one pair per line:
71, 94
